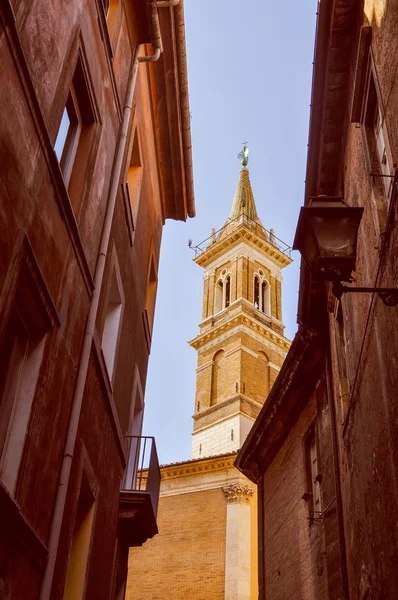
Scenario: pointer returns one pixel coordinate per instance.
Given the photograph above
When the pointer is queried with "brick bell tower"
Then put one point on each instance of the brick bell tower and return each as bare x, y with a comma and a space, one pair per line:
241, 345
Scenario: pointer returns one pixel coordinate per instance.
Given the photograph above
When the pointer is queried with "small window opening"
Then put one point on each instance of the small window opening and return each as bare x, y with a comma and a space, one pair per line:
376, 138
112, 325
232, 435
218, 296
265, 298
151, 293
111, 10
68, 134
134, 177
313, 475
200, 449
256, 292
198, 406
227, 291
261, 294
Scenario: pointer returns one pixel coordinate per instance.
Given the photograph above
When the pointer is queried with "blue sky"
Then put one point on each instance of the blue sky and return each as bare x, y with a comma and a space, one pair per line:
249, 72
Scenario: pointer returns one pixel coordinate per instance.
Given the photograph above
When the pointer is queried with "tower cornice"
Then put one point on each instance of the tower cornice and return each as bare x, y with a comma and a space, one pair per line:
236, 321
249, 235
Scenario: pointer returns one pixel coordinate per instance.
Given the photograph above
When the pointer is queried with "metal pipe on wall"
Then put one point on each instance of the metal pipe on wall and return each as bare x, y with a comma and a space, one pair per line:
336, 467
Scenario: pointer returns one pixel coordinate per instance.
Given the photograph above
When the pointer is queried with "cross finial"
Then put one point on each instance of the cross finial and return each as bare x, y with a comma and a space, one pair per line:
244, 155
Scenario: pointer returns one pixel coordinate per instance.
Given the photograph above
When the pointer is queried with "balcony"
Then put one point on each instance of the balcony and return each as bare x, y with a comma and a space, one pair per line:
139, 494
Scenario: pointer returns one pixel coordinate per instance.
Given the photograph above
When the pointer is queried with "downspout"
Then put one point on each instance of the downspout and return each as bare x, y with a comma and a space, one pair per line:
60, 500
336, 466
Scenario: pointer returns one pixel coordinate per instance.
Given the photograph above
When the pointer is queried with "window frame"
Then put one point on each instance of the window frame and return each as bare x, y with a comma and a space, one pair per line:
83, 135
222, 291
86, 473
366, 91
24, 290
114, 277
69, 148
313, 489
341, 357
262, 291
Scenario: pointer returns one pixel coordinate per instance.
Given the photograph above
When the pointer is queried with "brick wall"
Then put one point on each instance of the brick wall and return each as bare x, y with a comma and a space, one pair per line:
187, 559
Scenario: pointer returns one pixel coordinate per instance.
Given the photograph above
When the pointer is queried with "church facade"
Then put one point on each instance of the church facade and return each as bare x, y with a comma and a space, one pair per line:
207, 542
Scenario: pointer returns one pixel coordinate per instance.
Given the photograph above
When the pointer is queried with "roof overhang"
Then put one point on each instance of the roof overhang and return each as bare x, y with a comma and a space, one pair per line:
337, 28
171, 116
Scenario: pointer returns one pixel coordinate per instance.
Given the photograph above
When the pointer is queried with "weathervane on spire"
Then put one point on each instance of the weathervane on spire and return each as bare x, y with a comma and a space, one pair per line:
244, 155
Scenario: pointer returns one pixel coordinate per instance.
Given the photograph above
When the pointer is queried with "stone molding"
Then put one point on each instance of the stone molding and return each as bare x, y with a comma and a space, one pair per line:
198, 465
247, 321
237, 492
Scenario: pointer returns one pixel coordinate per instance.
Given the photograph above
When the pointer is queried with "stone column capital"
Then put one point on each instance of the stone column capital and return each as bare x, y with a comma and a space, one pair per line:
237, 492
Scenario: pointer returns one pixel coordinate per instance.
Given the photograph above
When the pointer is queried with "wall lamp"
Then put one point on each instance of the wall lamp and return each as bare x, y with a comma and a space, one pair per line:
326, 236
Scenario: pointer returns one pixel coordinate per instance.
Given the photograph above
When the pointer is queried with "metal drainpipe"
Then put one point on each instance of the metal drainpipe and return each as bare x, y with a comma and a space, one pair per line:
336, 466
92, 315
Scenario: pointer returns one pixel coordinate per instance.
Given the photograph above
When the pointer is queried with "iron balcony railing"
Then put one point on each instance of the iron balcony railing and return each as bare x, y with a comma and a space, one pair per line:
243, 218
142, 471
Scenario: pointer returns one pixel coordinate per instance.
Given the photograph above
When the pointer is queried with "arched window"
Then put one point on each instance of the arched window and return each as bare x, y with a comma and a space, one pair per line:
261, 293
218, 295
216, 377
266, 298
256, 299
227, 291
222, 292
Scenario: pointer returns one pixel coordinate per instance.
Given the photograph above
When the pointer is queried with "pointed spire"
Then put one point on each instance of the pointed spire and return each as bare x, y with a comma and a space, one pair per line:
244, 200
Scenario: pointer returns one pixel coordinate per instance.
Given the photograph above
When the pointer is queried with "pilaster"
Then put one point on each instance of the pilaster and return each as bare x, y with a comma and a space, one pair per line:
238, 551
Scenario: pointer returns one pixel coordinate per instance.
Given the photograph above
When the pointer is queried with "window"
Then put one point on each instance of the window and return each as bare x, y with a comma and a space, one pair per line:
222, 292
313, 494
21, 353
113, 319
75, 136
151, 293
376, 134
68, 135
218, 296
227, 291
134, 177
341, 352
111, 8
78, 560
368, 112
261, 293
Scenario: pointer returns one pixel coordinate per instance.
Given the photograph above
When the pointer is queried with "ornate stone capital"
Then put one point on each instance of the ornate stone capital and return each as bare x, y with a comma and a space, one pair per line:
237, 492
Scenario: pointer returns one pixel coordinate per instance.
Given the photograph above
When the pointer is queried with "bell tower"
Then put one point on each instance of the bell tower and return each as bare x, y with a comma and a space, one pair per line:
241, 344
